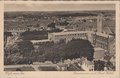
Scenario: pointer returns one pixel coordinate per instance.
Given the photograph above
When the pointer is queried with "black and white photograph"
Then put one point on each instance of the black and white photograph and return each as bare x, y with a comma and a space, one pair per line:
59, 0
59, 37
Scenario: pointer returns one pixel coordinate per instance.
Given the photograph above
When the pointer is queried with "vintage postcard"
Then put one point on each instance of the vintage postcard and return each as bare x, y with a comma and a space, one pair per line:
56, 39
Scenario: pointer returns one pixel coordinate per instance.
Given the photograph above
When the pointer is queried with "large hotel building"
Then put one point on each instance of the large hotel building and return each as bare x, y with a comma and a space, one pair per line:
101, 41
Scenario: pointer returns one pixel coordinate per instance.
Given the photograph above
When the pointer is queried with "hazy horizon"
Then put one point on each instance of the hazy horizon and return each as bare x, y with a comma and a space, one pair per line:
57, 7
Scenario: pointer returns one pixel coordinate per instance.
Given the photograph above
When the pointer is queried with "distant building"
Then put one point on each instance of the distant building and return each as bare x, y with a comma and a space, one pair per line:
15, 30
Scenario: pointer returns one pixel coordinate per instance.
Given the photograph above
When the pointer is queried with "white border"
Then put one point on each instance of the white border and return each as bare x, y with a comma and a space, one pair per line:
61, 74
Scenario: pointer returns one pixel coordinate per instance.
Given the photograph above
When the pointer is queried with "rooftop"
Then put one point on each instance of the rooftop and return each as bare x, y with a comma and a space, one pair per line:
77, 32
36, 41
70, 32
98, 49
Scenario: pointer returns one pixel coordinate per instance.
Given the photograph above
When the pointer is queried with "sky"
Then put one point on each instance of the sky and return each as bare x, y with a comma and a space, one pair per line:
56, 7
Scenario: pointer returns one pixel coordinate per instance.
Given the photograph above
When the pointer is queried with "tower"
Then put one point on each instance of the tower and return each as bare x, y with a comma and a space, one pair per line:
99, 22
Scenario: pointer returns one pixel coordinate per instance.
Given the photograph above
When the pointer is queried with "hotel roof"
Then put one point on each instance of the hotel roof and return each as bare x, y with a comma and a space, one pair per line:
78, 32
70, 32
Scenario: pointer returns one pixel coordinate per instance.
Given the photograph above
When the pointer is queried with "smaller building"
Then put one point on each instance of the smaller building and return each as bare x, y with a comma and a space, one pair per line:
98, 53
87, 65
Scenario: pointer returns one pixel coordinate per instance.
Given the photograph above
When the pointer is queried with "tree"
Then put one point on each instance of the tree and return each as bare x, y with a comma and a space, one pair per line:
52, 25
20, 51
52, 54
6, 35
25, 47
64, 23
99, 65
78, 48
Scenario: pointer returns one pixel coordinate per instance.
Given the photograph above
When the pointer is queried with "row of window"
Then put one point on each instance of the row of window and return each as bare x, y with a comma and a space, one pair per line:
81, 34
102, 42
100, 38
104, 46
